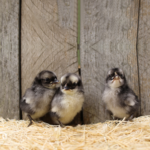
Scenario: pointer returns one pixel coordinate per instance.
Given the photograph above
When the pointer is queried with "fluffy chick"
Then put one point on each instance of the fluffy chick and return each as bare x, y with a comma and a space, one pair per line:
119, 99
68, 100
36, 100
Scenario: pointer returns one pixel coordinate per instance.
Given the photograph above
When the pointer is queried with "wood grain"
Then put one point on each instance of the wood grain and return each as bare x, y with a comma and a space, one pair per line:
9, 59
144, 55
46, 42
108, 39
49, 38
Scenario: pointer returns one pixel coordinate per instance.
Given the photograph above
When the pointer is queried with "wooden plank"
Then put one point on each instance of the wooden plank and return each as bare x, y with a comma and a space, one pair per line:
108, 39
49, 38
144, 55
9, 58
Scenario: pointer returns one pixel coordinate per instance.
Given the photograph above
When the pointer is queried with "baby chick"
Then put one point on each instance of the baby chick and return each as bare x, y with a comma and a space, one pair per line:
119, 99
36, 100
68, 100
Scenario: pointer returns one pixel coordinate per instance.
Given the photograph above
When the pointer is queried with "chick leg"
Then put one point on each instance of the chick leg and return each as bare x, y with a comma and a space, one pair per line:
60, 123
114, 118
131, 117
109, 115
30, 119
55, 117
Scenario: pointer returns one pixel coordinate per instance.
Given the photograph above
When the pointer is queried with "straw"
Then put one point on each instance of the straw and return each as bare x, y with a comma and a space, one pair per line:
110, 135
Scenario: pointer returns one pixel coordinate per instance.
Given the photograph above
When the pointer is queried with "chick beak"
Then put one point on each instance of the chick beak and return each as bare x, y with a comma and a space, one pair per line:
66, 87
56, 82
116, 76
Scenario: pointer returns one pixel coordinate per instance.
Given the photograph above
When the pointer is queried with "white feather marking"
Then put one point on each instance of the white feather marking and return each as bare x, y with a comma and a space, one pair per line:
73, 78
27, 100
121, 71
63, 78
130, 100
115, 84
69, 92
109, 72
55, 109
131, 103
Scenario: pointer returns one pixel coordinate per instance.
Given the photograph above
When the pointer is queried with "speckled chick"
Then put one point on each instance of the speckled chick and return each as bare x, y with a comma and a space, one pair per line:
118, 97
36, 100
68, 100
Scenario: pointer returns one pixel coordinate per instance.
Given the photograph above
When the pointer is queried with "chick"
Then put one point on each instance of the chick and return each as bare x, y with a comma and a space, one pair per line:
119, 99
68, 100
36, 100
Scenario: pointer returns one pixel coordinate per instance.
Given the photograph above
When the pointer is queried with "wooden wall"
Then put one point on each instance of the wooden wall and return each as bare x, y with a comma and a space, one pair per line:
9, 59
113, 33
108, 39
49, 38
144, 55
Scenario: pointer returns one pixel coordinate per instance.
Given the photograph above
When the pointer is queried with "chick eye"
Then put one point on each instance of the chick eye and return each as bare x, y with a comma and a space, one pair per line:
55, 79
74, 84
111, 77
47, 80
120, 75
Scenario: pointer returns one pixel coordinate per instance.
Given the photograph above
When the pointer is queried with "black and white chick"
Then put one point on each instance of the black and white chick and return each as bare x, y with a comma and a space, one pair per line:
119, 99
36, 100
68, 100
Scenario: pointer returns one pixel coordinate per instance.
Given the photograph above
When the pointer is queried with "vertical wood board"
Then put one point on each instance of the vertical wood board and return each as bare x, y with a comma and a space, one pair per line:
49, 38
108, 39
9, 59
144, 55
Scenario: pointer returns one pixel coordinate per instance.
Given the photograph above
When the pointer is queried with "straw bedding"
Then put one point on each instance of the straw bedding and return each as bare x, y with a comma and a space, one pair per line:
111, 135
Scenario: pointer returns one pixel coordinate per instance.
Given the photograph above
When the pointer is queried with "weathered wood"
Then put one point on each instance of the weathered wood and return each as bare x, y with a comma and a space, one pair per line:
9, 58
49, 38
144, 55
108, 39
